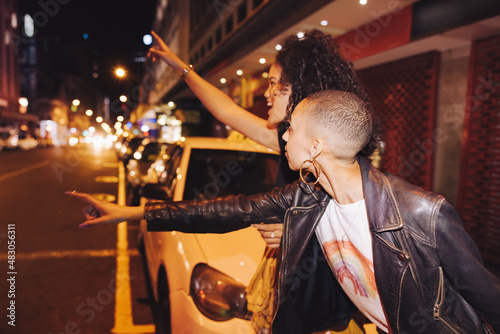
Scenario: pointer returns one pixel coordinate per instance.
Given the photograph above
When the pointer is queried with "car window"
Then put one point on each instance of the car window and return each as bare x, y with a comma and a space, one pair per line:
150, 152
213, 173
134, 144
170, 178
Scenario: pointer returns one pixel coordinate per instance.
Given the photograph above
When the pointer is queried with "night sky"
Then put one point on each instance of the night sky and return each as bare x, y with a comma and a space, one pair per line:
115, 29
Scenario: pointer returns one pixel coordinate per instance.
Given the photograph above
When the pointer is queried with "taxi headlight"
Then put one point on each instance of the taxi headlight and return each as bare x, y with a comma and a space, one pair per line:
216, 295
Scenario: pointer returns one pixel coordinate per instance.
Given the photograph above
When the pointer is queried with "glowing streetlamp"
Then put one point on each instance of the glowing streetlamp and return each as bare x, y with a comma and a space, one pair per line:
120, 72
23, 105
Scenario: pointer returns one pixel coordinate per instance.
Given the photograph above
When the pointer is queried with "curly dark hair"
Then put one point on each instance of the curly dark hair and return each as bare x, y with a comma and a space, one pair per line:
314, 63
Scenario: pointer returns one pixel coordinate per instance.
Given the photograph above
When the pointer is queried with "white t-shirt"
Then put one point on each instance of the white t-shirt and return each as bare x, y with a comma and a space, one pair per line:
345, 237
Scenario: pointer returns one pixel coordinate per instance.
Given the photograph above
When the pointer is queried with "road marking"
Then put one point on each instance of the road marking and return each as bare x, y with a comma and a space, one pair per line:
110, 164
106, 179
23, 170
123, 300
69, 254
104, 197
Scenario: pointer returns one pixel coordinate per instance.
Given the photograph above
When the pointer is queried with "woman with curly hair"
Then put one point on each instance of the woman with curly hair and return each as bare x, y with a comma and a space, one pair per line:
303, 66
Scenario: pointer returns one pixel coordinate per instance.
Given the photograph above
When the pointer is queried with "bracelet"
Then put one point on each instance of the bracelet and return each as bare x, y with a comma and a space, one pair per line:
185, 71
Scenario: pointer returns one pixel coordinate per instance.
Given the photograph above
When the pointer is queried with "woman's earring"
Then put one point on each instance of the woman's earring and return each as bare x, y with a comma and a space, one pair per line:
317, 170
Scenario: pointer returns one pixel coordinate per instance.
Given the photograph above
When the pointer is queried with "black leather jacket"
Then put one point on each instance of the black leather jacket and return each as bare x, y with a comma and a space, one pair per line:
428, 271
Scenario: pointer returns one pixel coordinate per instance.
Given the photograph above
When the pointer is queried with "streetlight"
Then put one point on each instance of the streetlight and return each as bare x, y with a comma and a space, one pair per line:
120, 72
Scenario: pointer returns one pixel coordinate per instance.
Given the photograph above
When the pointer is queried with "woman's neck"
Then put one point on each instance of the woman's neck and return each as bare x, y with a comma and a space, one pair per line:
342, 180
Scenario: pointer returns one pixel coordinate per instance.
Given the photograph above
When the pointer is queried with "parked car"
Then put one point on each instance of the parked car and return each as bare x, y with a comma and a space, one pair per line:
138, 166
198, 280
27, 142
8, 140
128, 148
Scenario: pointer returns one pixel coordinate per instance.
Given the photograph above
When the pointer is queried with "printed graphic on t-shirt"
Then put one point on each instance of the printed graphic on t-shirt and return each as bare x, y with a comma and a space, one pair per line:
351, 266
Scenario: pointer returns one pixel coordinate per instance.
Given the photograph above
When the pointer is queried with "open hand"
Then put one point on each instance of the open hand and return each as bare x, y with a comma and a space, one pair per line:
162, 51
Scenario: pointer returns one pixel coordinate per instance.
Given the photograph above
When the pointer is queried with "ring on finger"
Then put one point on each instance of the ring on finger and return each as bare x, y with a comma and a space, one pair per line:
272, 235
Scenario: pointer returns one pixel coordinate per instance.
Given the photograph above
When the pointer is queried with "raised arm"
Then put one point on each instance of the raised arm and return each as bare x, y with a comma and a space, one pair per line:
217, 102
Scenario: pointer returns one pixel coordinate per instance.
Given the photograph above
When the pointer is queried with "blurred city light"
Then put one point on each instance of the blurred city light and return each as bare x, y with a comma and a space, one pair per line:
262, 60
120, 72
23, 101
324, 23
223, 80
89, 112
76, 102
123, 98
98, 119
119, 118
147, 39
29, 26
239, 72
278, 47
72, 141
171, 104
363, 2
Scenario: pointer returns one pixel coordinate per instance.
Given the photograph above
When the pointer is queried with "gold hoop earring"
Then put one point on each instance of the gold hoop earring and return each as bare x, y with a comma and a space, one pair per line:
317, 169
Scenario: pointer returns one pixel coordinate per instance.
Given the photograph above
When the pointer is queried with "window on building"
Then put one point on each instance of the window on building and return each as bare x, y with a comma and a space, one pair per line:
229, 24
257, 3
218, 35
242, 11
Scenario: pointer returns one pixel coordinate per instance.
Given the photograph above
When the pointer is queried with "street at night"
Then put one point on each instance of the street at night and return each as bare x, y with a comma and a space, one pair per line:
64, 279
249, 166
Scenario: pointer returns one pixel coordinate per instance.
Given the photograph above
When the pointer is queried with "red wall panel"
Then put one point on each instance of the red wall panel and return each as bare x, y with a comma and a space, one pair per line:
403, 93
479, 191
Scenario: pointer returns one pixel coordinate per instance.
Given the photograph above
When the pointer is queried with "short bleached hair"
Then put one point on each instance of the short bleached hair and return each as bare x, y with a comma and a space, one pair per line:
341, 119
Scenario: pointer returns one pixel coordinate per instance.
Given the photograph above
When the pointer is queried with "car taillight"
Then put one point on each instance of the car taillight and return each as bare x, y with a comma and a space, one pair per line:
217, 296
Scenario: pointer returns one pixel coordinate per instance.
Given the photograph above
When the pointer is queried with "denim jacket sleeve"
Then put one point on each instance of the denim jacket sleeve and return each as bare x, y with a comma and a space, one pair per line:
463, 267
219, 215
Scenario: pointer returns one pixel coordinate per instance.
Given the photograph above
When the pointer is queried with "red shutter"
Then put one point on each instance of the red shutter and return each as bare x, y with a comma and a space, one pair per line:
479, 189
403, 94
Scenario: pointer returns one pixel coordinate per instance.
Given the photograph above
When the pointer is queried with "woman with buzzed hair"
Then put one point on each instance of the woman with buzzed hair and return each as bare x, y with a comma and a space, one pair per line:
399, 253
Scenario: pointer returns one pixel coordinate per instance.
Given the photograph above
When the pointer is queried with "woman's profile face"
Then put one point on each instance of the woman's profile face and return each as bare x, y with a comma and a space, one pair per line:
298, 142
277, 96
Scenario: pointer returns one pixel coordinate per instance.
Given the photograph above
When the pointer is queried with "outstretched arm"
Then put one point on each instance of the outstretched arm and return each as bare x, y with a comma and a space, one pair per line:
102, 212
217, 102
